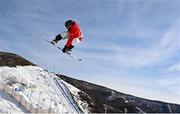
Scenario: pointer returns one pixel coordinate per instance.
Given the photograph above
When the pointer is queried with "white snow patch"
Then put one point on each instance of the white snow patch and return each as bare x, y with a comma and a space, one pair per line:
41, 90
74, 91
115, 96
10, 105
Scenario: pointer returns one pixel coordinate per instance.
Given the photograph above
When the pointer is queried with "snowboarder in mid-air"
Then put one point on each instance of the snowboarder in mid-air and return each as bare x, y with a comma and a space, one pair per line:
74, 36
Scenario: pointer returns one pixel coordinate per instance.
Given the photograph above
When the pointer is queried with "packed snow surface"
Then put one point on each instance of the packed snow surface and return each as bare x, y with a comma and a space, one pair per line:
39, 87
75, 92
9, 104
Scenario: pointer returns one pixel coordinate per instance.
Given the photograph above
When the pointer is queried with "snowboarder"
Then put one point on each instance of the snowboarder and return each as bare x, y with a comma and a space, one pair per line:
74, 36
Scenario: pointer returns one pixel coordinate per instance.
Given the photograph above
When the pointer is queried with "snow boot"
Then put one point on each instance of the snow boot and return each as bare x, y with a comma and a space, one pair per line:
70, 48
57, 38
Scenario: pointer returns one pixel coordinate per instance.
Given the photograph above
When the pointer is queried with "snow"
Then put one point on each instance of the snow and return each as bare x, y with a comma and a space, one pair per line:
169, 107
10, 105
74, 91
42, 88
115, 96
141, 111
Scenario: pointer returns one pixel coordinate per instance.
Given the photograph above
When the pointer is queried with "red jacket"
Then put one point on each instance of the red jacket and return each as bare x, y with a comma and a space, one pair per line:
74, 32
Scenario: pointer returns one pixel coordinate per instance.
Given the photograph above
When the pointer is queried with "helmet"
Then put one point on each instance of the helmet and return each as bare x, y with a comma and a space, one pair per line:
69, 22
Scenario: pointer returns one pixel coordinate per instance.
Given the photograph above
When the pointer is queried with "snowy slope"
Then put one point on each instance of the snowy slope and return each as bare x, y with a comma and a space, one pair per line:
99, 98
10, 105
75, 93
31, 89
40, 88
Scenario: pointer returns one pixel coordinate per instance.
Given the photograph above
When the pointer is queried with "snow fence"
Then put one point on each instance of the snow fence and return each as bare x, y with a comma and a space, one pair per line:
24, 102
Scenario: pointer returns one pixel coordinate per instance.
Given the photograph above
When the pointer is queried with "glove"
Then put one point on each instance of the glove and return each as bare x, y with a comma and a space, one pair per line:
64, 50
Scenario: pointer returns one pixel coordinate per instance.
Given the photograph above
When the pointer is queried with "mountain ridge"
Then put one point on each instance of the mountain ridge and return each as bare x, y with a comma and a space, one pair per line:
13, 60
130, 102
101, 98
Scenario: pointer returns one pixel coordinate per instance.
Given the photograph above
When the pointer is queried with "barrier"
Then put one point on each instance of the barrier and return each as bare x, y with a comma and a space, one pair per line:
22, 101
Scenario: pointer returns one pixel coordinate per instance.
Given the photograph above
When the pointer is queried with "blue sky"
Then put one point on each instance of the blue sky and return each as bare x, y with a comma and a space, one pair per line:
132, 46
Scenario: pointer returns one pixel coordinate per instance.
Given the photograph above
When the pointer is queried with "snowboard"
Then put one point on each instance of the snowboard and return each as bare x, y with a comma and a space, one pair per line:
70, 54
